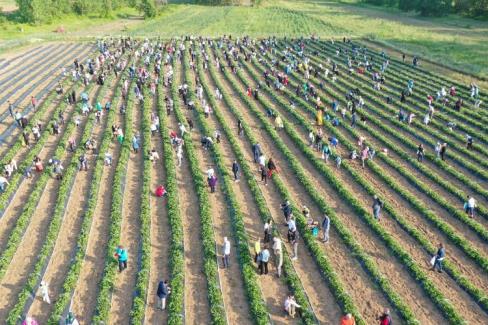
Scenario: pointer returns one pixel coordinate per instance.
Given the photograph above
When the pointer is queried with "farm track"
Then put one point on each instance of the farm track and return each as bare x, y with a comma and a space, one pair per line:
160, 231
233, 292
271, 287
34, 235
75, 210
460, 258
358, 286
197, 307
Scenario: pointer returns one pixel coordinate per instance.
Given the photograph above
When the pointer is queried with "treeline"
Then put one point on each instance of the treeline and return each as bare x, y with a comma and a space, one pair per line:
470, 8
41, 11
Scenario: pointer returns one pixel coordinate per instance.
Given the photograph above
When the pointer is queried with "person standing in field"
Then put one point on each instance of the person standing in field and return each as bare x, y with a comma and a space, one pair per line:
11, 109
443, 151
44, 290
212, 182
385, 318
135, 144
235, 170
438, 258
162, 293
278, 252
122, 257
421, 153
263, 259
226, 253
348, 319
34, 102
470, 206
257, 250
294, 243
377, 205
325, 228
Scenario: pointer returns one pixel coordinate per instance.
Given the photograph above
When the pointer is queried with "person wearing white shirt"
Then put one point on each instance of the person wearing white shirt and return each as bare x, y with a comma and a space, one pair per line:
262, 160
210, 172
226, 252
44, 288
471, 204
291, 306
182, 129
277, 250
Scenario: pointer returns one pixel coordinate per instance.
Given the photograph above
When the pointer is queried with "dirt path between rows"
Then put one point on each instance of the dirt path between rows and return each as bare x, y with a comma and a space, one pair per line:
197, 307
160, 232
123, 291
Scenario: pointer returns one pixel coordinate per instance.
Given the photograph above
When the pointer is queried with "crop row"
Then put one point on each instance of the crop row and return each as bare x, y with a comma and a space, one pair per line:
475, 292
17, 176
330, 91
176, 252
426, 82
41, 109
444, 114
337, 288
142, 281
444, 166
30, 206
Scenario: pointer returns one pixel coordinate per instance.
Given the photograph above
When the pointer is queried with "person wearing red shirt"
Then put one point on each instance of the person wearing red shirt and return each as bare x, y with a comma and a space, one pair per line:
385, 318
348, 319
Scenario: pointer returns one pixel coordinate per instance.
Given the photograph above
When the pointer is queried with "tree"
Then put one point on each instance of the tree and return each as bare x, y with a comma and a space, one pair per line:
434, 7
148, 8
408, 5
35, 11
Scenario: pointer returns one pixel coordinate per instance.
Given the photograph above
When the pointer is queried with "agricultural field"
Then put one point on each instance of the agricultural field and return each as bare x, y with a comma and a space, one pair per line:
62, 226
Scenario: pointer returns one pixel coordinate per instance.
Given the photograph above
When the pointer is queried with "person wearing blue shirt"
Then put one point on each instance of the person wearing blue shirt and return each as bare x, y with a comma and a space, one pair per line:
263, 260
122, 256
